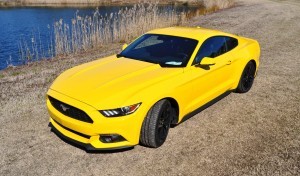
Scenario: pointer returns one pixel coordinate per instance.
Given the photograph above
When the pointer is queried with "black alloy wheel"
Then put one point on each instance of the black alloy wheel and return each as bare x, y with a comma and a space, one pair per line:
156, 125
163, 125
247, 78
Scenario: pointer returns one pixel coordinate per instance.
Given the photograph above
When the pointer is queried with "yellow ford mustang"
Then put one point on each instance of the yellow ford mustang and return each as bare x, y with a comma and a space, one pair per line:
159, 79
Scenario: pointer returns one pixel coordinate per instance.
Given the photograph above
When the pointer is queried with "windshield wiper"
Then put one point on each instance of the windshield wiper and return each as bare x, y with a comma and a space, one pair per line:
120, 55
143, 60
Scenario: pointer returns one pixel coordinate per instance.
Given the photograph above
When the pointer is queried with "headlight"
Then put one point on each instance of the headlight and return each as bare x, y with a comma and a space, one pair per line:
126, 110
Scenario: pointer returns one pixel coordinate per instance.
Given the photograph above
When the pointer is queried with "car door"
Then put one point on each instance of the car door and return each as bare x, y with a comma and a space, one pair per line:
210, 81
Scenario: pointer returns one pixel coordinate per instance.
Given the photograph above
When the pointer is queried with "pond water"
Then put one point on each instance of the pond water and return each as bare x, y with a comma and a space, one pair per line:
26, 25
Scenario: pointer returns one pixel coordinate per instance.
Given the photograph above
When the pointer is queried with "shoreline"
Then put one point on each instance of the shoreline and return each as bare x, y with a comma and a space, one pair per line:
87, 5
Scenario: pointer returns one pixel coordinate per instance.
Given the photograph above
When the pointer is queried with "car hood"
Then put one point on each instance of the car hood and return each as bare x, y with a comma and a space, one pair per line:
111, 82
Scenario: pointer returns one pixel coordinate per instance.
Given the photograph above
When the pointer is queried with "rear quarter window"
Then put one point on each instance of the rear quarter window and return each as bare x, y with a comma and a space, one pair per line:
231, 43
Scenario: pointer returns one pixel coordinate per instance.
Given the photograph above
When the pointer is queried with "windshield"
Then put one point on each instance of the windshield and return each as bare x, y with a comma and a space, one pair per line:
168, 51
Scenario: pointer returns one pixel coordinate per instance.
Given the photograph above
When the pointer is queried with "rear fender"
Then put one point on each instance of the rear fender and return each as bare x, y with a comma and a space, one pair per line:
250, 51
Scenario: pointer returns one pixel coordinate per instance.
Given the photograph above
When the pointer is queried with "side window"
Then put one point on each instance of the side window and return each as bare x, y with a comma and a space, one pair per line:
212, 47
231, 43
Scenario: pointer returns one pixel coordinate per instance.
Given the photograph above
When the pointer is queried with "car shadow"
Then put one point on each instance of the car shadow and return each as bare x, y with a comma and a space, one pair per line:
109, 151
205, 67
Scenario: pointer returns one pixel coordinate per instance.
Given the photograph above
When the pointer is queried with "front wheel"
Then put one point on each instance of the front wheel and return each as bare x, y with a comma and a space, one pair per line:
247, 78
156, 125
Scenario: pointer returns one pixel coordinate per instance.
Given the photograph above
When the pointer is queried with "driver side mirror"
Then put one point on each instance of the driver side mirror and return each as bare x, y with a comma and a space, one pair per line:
208, 61
124, 46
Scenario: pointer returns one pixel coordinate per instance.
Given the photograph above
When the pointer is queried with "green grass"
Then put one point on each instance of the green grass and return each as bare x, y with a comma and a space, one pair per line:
16, 73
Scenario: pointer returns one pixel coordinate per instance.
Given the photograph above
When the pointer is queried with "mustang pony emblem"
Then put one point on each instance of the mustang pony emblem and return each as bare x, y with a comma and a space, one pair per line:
64, 108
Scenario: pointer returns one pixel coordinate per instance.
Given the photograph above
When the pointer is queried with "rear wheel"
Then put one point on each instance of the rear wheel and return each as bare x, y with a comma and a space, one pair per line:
247, 78
156, 125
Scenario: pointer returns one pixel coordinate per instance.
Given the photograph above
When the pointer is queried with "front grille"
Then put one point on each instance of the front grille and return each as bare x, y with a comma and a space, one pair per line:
70, 111
68, 129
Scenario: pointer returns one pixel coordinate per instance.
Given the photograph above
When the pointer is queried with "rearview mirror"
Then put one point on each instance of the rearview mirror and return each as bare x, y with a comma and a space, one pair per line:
207, 61
124, 46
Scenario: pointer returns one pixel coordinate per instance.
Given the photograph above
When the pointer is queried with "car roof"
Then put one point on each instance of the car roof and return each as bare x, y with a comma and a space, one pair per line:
197, 33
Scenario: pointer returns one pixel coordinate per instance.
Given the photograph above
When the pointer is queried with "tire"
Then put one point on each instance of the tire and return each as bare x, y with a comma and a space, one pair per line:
156, 125
247, 78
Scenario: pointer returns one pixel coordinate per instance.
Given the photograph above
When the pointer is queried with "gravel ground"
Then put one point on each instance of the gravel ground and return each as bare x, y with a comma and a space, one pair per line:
257, 133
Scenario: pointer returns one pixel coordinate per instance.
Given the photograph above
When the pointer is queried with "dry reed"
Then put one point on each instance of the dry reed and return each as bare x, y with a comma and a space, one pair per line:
34, 49
93, 31
218, 4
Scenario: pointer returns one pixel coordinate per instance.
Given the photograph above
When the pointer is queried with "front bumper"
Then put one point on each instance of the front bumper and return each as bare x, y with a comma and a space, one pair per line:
87, 135
87, 147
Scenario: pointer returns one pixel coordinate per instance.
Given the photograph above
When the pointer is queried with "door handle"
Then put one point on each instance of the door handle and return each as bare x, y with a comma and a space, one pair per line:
229, 62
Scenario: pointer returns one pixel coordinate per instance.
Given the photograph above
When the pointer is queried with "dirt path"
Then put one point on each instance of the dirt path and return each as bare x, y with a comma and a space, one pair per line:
257, 133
